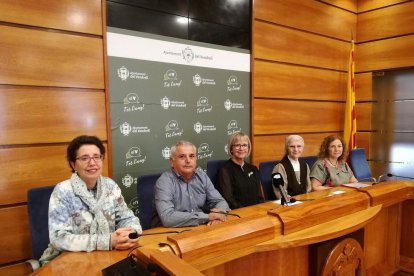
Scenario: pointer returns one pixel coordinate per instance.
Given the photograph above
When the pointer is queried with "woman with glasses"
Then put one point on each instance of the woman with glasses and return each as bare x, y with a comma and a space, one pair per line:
295, 172
87, 212
331, 169
238, 181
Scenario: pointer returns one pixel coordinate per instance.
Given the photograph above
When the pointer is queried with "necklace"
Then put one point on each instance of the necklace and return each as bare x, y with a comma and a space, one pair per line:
329, 161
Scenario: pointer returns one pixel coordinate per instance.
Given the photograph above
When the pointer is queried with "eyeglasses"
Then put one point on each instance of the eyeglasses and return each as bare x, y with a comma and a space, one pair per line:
86, 158
238, 146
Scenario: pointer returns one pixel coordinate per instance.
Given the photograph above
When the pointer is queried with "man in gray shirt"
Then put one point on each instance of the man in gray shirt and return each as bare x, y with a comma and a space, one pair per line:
183, 192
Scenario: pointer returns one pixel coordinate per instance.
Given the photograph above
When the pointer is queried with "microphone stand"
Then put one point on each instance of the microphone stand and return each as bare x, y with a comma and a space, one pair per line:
285, 199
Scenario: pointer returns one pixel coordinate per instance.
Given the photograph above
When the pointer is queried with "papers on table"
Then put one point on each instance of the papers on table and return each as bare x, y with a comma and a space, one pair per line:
294, 203
356, 185
336, 193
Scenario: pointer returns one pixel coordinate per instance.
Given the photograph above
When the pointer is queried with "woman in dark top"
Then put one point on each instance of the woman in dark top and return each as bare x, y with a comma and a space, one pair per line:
238, 181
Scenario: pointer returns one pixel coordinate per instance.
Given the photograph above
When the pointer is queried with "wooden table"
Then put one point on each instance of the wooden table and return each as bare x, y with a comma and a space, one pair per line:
269, 239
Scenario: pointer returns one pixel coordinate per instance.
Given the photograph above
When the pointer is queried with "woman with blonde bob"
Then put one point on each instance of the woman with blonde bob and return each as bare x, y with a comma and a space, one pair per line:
331, 170
239, 181
295, 172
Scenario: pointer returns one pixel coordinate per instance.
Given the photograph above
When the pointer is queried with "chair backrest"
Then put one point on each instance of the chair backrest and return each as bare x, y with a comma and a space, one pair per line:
265, 171
359, 165
145, 193
213, 166
310, 160
38, 207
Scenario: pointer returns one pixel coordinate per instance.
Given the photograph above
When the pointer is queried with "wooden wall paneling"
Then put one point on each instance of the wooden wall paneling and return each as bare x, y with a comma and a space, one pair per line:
378, 167
363, 141
75, 15
296, 47
28, 167
282, 116
275, 80
366, 5
35, 57
14, 234
407, 229
385, 54
312, 16
272, 147
50, 115
388, 22
108, 159
363, 86
363, 116
350, 5
52, 88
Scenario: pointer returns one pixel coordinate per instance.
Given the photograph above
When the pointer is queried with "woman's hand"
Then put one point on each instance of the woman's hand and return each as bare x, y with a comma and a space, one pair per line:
317, 185
120, 239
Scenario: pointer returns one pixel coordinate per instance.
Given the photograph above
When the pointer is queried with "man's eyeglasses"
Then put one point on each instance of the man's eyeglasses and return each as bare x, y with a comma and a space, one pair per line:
86, 158
238, 146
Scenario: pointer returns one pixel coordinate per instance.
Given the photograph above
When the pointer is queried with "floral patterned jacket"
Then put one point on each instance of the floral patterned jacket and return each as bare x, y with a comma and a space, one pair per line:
81, 220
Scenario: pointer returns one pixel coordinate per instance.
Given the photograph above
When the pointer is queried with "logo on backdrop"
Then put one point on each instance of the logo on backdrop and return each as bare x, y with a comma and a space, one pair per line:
170, 79
167, 103
131, 103
226, 149
232, 127
172, 129
126, 129
133, 205
204, 151
188, 54
124, 74
166, 152
232, 84
198, 80
128, 180
134, 157
203, 106
198, 128
229, 105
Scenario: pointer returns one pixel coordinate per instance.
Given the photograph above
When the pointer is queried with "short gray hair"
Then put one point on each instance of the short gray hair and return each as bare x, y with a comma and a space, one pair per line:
293, 138
179, 144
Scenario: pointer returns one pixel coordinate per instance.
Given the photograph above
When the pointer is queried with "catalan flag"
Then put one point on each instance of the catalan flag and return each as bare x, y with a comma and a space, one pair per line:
350, 114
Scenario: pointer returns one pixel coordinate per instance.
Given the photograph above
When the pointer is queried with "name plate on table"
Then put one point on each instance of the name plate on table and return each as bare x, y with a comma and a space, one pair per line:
356, 185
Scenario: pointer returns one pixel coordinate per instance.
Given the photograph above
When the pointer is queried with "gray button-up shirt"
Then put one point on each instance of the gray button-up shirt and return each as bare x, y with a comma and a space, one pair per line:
180, 204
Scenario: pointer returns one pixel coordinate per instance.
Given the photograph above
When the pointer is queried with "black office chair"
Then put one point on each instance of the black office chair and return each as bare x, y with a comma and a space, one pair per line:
38, 207
213, 166
265, 172
359, 165
310, 160
145, 192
